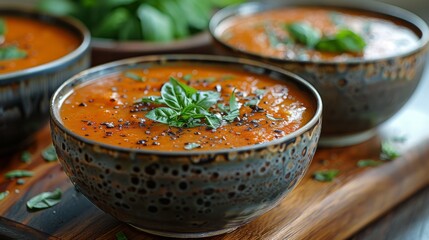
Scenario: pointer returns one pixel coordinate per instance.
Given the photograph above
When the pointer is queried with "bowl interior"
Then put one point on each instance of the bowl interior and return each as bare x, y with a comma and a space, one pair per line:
146, 62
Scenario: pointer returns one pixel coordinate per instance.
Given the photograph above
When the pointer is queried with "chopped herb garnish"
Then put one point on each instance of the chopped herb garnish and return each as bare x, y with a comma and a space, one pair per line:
260, 92
18, 174
271, 117
187, 107
388, 151
45, 200
188, 77
135, 77
121, 236
336, 18
304, 33
368, 163
49, 154
325, 175
252, 102
26, 156
11, 52
3, 195
190, 146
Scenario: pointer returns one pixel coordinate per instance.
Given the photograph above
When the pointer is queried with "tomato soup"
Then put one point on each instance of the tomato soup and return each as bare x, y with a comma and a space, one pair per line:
109, 110
266, 34
40, 41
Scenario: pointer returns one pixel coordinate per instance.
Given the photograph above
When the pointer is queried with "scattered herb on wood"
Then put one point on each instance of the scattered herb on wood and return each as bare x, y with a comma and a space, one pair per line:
368, 163
134, 77
45, 200
20, 181
3, 195
190, 146
325, 175
26, 156
187, 107
49, 154
18, 174
388, 151
121, 236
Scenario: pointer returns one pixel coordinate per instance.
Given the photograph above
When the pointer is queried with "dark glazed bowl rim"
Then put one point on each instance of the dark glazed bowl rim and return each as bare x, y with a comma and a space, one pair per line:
369, 6
70, 23
58, 96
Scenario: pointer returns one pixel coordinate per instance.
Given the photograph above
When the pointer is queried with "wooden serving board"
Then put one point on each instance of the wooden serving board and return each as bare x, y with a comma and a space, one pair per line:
314, 210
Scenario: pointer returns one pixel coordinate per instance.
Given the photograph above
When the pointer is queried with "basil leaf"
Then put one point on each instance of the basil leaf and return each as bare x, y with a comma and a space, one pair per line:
325, 175
155, 25
11, 52
49, 154
57, 7
134, 76
18, 174
196, 12
388, 151
190, 146
178, 18
188, 90
112, 23
174, 95
26, 156
3, 195
206, 99
344, 41
234, 110
304, 33
162, 114
214, 121
45, 200
368, 163
130, 30
252, 102
121, 236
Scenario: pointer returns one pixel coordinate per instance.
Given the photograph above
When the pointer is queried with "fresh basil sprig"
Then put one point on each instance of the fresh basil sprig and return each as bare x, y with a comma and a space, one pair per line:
345, 40
45, 200
188, 107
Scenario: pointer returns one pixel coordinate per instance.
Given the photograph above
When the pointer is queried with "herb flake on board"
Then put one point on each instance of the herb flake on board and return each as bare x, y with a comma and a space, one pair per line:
18, 174
325, 175
45, 200
49, 154
368, 163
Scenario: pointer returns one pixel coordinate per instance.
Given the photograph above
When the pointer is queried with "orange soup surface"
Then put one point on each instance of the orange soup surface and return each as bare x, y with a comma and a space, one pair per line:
42, 42
266, 33
105, 109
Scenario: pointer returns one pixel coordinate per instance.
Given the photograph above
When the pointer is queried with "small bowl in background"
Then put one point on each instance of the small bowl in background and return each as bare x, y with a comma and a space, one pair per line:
25, 94
358, 94
185, 193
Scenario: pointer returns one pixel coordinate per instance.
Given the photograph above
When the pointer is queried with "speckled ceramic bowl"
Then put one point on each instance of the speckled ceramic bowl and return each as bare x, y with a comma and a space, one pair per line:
185, 194
24, 94
358, 95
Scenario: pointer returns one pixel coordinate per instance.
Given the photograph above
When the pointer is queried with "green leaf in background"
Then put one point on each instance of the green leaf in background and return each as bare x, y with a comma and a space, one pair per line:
344, 41
155, 25
45, 200
325, 175
197, 13
224, 3
49, 154
112, 23
58, 7
18, 174
11, 52
131, 30
304, 33
178, 17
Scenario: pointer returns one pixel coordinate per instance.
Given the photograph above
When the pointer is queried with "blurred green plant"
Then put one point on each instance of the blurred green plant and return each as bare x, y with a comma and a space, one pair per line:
148, 20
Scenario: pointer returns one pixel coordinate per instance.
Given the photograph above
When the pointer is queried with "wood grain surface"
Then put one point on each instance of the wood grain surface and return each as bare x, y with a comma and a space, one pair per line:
314, 210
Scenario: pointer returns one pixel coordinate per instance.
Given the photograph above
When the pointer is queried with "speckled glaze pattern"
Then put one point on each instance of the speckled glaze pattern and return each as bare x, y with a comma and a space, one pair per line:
25, 94
185, 194
358, 95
